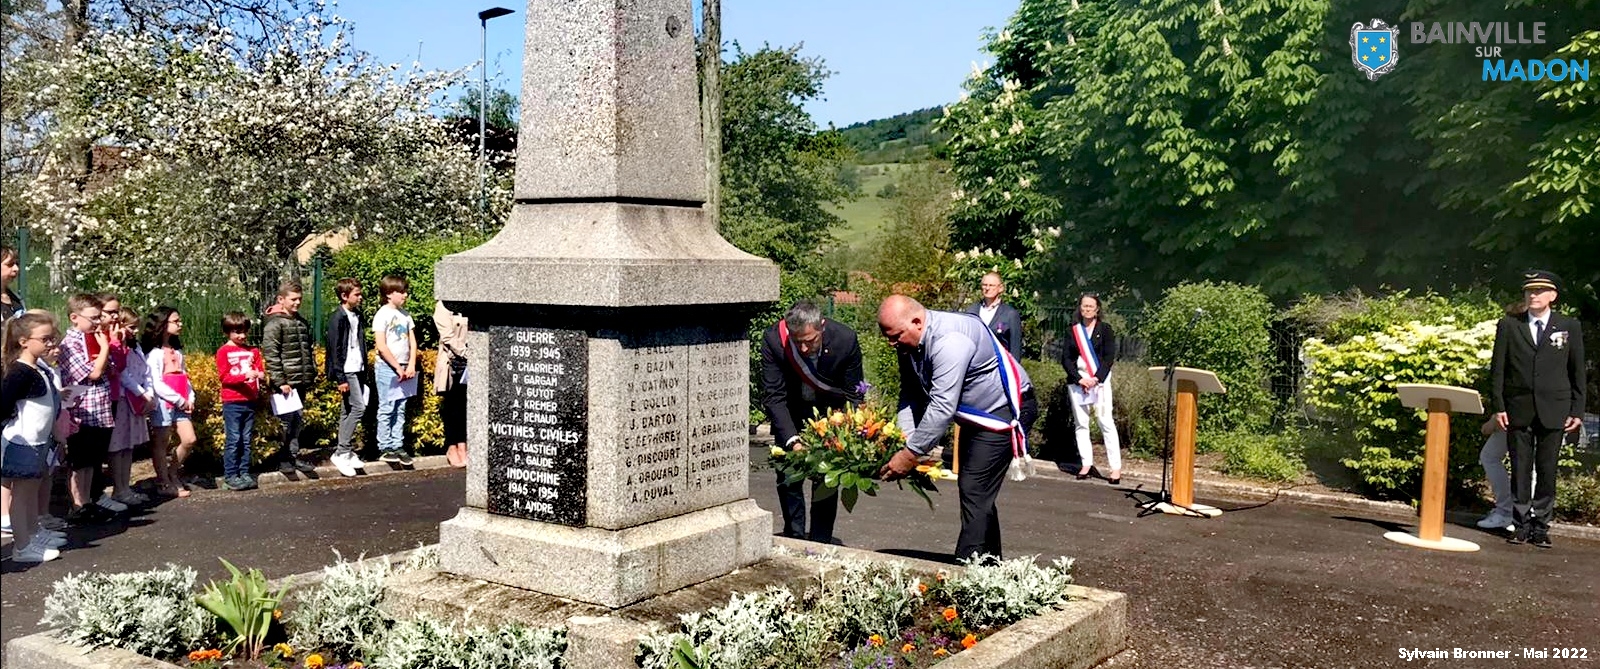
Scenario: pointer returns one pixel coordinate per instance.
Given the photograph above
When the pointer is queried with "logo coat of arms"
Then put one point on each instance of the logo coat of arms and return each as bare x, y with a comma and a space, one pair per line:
1374, 49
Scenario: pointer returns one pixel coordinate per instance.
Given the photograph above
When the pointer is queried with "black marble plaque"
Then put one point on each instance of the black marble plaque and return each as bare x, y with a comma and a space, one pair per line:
538, 423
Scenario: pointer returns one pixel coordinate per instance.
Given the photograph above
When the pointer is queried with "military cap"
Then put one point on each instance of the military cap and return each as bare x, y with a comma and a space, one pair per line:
1538, 279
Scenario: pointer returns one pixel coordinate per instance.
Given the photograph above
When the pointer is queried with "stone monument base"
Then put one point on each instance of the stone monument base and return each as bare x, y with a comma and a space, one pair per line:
609, 568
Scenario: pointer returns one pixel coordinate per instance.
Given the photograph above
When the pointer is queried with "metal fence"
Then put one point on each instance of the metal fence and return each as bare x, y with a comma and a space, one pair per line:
202, 306
1056, 331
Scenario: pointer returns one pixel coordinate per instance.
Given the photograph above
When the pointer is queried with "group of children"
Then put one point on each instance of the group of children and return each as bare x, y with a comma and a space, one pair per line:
110, 382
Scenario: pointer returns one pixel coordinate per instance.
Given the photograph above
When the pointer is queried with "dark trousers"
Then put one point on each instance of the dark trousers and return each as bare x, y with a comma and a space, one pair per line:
824, 510
1534, 450
985, 458
293, 423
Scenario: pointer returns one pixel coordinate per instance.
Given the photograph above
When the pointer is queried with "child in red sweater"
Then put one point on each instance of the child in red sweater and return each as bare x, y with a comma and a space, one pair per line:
241, 369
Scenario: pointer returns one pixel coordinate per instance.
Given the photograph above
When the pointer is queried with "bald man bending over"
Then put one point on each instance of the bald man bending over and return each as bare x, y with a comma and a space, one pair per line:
953, 368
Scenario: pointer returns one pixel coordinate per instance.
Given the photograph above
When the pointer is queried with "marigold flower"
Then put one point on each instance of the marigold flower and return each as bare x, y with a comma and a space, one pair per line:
970, 641
314, 661
922, 588
277, 614
949, 613
940, 652
908, 648
875, 641
354, 665
204, 654
284, 649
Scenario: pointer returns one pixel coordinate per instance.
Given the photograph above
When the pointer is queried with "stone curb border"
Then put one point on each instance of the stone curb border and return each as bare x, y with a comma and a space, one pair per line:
1254, 493
373, 468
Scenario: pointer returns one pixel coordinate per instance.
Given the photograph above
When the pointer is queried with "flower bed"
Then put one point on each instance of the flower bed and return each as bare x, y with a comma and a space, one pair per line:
335, 623
862, 611
868, 614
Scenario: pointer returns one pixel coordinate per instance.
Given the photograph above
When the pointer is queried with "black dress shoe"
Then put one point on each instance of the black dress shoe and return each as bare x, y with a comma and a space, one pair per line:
1540, 538
1520, 536
1115, 481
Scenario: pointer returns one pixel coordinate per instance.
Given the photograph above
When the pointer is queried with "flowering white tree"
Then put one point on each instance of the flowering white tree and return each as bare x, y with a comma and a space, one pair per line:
231, 157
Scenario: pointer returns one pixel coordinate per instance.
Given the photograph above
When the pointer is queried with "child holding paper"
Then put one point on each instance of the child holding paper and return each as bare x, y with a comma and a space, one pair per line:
286, 342
396, 369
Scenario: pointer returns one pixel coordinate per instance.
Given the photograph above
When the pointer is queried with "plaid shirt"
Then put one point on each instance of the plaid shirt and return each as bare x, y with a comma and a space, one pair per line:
94, 402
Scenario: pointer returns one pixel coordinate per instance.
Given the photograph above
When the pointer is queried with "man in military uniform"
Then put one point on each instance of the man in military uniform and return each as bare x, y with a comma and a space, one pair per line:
1537, 393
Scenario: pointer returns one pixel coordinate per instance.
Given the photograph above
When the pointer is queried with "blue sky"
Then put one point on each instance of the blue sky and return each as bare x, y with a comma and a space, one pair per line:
889, 56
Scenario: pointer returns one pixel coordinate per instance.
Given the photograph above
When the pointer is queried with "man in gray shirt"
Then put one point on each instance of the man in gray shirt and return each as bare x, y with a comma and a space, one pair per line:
950, 369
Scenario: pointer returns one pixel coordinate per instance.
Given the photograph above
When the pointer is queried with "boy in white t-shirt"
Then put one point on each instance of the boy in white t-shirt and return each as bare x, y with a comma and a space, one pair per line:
395, 339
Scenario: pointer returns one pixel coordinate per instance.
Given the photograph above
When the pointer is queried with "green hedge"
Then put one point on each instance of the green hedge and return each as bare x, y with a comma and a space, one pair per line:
1334, 319
369, 261
1231, 339
1352, 387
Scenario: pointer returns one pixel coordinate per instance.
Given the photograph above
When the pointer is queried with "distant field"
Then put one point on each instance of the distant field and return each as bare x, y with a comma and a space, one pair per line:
868, 213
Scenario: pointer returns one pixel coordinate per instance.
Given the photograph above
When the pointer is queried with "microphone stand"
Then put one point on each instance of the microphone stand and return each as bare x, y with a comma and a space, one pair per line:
1156, 500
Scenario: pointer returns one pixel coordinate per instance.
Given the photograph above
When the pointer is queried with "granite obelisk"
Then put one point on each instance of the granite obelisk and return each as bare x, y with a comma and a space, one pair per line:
607, 387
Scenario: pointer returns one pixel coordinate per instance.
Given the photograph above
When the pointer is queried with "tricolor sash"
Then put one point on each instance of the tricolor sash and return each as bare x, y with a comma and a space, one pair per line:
1088, 365
1011, 383
801, 364
1088, 360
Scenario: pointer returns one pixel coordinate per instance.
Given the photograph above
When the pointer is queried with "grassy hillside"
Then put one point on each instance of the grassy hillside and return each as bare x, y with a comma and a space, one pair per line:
884, 148
901, 138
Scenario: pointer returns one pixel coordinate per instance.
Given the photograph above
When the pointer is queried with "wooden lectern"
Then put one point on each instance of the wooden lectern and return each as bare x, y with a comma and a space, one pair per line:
1189, 383
1440, 401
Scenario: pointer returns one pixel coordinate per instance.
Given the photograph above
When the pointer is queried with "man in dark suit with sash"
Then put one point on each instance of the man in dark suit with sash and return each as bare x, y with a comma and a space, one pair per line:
1537, 393
808, 365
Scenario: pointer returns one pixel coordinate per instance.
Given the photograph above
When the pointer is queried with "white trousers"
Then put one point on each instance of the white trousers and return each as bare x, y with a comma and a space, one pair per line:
1108, 427
1493, 459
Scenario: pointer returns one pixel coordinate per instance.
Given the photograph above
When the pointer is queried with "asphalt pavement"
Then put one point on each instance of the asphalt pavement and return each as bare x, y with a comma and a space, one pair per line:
1264, 585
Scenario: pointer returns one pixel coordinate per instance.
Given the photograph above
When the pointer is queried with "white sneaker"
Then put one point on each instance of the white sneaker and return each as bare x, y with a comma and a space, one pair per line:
50, 522
346, 463
36, 551
111, 505
1497, 520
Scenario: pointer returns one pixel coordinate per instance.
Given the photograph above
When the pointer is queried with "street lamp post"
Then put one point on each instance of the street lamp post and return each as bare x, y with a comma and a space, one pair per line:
483, 105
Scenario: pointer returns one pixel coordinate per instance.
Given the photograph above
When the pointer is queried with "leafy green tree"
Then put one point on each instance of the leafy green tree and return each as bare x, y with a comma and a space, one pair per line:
501, 115
1235, 141
231, 161
779, 172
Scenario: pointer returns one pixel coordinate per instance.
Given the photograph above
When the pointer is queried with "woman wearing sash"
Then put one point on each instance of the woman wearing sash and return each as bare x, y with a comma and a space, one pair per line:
1087, 358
